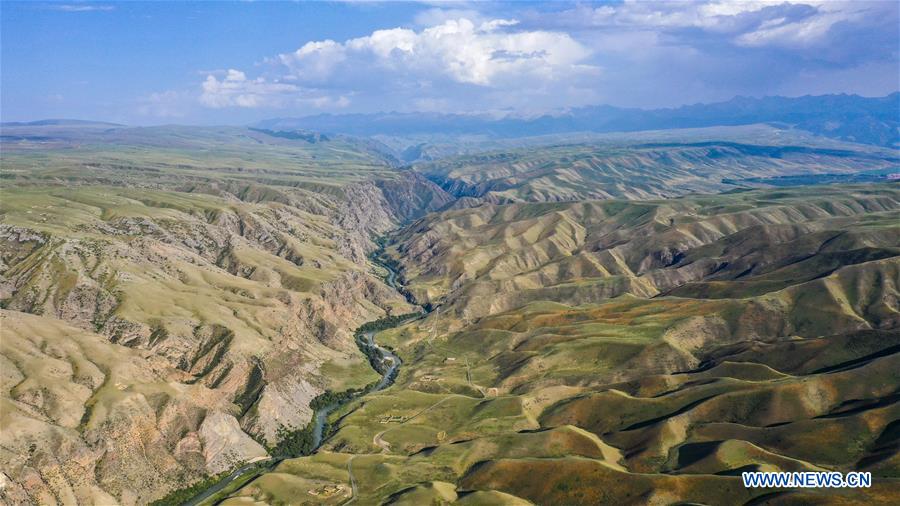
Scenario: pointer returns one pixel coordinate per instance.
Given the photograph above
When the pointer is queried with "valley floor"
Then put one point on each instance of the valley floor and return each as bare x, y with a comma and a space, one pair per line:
632, 321
631, 353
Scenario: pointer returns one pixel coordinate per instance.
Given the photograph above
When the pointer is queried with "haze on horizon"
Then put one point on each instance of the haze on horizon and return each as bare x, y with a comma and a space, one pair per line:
213, 63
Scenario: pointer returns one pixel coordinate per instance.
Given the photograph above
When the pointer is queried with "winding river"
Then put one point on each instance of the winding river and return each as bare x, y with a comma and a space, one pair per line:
389, 366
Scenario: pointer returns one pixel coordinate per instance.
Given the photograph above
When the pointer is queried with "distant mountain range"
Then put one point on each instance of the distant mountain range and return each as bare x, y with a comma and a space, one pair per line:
637, 315
845, 117
58, 122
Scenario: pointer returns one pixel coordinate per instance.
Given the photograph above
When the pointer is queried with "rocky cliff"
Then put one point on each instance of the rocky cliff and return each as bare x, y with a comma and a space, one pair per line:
186, 325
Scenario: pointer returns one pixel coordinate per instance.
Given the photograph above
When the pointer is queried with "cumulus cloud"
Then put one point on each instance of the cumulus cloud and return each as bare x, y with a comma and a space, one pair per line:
534, 58
459, 49
424, 66
234, 89
741, 22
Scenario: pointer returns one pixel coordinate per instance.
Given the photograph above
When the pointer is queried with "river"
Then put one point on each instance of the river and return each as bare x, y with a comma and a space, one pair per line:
388, 374
389, 367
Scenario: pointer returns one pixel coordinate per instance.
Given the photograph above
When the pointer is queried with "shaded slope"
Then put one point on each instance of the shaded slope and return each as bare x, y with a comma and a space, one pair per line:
640, 171
236, 259
553, 387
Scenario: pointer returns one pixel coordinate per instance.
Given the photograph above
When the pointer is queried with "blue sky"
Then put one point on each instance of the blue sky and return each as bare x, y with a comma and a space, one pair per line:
216, 62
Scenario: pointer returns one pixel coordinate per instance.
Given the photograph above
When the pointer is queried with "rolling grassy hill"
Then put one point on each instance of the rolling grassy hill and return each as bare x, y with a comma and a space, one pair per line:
144, 154
172, 297
225, 267
632, 352
648, 170
493, 258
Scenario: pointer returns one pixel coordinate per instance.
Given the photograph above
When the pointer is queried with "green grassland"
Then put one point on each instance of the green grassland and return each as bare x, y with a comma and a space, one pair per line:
190, 155
635, 170
500, 257
215, 254
630, 350
634, 427
784, 358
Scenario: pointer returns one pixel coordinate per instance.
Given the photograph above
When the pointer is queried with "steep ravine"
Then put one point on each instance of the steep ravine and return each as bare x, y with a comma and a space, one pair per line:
630, 398
382, 360
188, 329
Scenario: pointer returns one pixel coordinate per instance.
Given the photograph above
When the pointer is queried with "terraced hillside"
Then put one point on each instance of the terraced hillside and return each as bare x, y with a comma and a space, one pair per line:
631, 352
174, 297
598, 170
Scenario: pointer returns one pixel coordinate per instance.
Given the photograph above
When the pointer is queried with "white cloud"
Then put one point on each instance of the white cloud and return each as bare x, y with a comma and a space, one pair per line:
748, 23
734, 7
236, 90
533, 60
459, 49
458, 61
319, 58
803, 32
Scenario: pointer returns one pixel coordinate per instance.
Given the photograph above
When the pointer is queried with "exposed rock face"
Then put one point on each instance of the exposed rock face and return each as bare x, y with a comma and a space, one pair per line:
163, 328
490, 259
226, 306
635, 352
83, 419
412, 195
225, 445
374, 207
282, 403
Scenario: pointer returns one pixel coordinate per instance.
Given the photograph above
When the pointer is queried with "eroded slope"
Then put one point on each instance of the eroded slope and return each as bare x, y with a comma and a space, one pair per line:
233, 300
636, 353
569, 172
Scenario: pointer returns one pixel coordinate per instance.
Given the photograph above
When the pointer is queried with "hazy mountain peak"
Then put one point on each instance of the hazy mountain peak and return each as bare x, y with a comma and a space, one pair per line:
867, 120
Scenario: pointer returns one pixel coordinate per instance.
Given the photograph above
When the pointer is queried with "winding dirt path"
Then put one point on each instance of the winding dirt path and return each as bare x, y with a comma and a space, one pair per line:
381, 443
354, 492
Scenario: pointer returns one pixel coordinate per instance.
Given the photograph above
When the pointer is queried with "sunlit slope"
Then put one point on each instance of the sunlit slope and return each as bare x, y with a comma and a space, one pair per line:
84, 419
349, 182
235, 258
190, 155
493, 258
243, 301
606, 405
635, 353
638, 171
